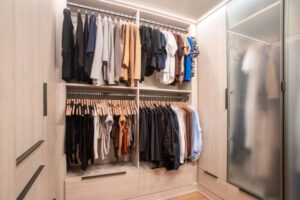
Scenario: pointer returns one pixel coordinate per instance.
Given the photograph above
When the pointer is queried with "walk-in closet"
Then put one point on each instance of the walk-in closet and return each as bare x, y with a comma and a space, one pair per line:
149, 100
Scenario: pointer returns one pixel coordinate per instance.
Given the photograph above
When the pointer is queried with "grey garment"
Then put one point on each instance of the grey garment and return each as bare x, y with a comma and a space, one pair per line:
111, 54
119, 45
109, 121
97, 72
105, 40
105, 47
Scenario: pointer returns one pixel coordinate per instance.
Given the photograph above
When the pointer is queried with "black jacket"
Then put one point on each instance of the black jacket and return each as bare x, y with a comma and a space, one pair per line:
146, 69
79, 49
67, 47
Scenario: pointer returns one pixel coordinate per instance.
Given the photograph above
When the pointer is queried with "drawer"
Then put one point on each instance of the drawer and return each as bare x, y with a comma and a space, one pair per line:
121, 183
157, 180
28, 167
221, 188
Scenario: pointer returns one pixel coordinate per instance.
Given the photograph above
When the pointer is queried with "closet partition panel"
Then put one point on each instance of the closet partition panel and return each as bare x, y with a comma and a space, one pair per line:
254, 96
292, 99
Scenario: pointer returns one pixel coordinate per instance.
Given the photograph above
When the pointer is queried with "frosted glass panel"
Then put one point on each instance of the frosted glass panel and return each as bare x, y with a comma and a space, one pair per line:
292, 71
254, 155
241, 10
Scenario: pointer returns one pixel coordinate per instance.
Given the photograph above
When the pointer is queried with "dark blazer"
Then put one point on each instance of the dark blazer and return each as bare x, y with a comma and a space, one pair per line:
67, 47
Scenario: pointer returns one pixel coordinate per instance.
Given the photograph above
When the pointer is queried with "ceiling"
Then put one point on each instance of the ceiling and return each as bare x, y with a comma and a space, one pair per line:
189, 10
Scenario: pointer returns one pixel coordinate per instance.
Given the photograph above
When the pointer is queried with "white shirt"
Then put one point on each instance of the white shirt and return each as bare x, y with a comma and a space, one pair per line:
111, 53
96, 135
168, 74
96, 71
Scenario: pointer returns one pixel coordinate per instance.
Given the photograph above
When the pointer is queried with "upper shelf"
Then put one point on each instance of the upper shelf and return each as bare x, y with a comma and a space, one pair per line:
164, 90
263, 25
79, 86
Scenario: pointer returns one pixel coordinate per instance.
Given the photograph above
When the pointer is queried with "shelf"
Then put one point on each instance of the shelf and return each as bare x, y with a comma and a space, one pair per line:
78, 86
165, 90
263, 25
94, 87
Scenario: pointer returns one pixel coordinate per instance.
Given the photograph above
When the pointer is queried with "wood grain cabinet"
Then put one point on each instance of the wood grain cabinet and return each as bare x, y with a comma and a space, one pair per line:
212, 82
158, 180
95, 186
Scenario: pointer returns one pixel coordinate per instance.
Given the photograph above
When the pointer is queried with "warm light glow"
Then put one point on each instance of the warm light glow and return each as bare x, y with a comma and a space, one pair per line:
217, 7
144, 9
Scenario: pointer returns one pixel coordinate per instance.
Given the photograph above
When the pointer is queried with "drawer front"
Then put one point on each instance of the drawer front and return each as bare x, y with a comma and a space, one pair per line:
221, 188
157, 180
108, 187
26, 169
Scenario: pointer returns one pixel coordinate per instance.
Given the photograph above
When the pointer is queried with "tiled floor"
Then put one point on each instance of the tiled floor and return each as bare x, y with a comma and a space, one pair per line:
191, 196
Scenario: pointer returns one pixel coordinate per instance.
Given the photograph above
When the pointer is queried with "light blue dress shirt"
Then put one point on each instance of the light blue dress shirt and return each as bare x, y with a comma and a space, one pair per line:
196, 136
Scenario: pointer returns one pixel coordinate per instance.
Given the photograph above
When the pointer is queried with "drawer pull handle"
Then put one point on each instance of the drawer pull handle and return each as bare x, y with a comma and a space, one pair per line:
103, 175
30, 183
45, 100
28, 152
214, 176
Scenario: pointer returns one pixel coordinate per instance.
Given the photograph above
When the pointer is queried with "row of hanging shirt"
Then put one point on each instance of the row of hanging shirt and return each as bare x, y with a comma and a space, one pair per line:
170, 134
171, 55
97, 129
104, 52
109, 52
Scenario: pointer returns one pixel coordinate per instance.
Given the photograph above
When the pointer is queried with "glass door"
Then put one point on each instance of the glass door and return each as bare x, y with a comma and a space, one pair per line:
292, 99
254, 96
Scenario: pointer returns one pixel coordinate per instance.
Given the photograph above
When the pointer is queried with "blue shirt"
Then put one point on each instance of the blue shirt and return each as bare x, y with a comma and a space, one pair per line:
196, 137
188, 62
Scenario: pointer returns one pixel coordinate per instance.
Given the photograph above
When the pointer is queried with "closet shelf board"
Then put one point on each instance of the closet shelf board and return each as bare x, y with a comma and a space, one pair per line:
94, 87
165, 90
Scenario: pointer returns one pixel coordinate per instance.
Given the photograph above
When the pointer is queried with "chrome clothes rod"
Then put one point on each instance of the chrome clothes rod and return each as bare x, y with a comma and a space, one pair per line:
79, 94
144, 21
100, 10
99, 94
163, 97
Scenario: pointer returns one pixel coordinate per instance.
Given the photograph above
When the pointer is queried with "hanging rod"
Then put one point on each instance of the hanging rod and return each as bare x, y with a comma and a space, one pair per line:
184, 98
100, 10
104, 95
146, 21
100, 94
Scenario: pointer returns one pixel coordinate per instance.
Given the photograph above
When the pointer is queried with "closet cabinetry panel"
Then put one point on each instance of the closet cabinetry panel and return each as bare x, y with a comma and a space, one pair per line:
7, 101
30, 65
212, 81
156, 180
121, 186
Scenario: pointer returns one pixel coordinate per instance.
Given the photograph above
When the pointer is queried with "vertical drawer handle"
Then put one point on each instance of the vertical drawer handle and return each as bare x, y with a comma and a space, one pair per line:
45, 101
103, 175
